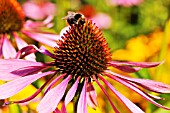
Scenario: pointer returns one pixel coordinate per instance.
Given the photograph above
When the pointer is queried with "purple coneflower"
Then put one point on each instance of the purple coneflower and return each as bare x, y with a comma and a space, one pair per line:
13, 26
39, 9
81, 59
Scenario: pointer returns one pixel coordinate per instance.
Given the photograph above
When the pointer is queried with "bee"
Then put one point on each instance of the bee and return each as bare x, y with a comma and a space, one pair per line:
74, 18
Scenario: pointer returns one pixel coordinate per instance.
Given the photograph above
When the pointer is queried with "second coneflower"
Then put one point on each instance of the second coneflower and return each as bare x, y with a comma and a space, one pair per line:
81, 58
13, 25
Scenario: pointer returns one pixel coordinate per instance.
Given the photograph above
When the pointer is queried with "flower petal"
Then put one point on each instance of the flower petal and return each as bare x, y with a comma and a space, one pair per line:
131, 106
136, 64
53, 97
1, 43
147, 84
21, 43
91, 96
137, 90
11, 88
82, 105
104, 91
71, 92
41, 38
15, 68
7, 49
52, 83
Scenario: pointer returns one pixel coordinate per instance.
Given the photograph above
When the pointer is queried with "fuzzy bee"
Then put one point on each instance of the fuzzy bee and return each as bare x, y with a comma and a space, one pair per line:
74, 18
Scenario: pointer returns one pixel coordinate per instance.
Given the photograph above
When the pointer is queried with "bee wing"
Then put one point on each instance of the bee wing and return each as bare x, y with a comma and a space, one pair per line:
65, 18
69, 13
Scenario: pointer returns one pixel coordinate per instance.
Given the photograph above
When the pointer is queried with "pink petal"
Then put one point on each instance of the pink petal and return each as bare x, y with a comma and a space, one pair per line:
131, 106
46, 52
147, 84
15, 68
53, 97
63, 108
50, 36
21, 43
48, 19
104, 91
32, 49
102, 20
31, 25
53, 82
33, 10
134, 88
49, 8
40, 38
71, 92
91, 96
82, 105
57, 111
8, 49
1, 43
136, 64
11, 88
70, 95
127, 69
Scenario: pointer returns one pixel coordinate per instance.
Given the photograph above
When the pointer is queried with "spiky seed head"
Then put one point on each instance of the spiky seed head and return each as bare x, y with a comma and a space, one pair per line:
11, 16
83, 51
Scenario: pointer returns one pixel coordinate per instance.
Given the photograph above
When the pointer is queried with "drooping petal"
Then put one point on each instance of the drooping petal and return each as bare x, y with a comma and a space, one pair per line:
32, 49
137, 90
71, 92
104, 91
52, 98
7, 49
53, 82
21, 43
70, 95
15, 68
136, 64
82, 105
40, 38
91, 96
147, 84
11, 88
127, 69
50, 36
131, 106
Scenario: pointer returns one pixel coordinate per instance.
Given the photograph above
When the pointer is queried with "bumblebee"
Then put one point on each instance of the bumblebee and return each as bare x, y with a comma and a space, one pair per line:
74, 18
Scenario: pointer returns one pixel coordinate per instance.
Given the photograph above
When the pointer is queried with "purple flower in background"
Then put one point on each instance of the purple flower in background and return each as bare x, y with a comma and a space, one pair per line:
126, 3
13, 26
39, 9
81, 58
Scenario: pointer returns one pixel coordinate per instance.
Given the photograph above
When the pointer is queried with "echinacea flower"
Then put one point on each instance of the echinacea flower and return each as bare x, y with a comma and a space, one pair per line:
13, 26
39, 9
81, 59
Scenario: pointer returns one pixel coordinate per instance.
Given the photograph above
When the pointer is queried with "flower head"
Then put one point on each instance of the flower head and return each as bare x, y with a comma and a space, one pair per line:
12, 22
81, 58
39, 9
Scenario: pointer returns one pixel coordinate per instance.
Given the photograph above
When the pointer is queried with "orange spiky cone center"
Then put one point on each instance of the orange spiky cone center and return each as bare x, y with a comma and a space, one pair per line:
11, 16
83, 51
